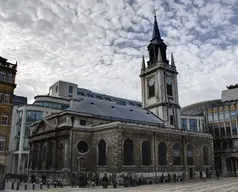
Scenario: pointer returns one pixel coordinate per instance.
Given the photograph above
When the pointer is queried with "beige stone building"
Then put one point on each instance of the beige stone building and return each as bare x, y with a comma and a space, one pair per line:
99, 136
7, 86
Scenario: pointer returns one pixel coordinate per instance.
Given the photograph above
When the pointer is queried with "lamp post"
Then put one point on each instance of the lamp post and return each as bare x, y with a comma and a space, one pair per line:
71, 150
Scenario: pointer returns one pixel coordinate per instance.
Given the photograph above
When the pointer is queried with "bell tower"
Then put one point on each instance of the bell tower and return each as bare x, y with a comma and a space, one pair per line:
159, 81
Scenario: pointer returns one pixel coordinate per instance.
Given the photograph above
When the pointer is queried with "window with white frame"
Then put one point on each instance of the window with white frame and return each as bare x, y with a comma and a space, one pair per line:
2, 143
2, 76
9, 78
4, 120
6, 98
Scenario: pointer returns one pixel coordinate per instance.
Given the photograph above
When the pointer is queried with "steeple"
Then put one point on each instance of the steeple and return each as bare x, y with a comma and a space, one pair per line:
143, 63
156, 33
172, 61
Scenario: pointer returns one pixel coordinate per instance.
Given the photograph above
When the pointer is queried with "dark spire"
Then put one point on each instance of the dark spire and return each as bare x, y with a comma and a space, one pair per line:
156, 33
143, 63
172, 60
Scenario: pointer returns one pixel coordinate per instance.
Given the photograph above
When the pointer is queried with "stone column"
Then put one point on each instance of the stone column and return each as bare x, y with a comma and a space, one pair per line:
232, 167
224, 166
54, 151
66, 148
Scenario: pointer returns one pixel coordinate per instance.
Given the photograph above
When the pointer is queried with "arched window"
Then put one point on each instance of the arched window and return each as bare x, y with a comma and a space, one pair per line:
177, 154
205, 155
35, 157
146, 153
128, 152
102, 152
162, 154
189, 151
169, 86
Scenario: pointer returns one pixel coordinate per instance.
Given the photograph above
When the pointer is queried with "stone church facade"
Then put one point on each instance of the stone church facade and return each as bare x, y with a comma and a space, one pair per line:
95, 136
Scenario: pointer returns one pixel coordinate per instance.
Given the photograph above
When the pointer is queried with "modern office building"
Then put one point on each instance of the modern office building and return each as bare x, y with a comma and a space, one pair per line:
19, 100
220, 118
7, 86
23, 117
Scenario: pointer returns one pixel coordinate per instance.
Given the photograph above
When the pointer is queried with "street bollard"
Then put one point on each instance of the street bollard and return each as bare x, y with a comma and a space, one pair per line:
18, 185
48, 185
33, 186
12, 185
55, 184
25, 186
41, 185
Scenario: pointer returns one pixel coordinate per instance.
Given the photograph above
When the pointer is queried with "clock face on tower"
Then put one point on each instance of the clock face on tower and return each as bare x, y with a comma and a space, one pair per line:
151, 82
168, 81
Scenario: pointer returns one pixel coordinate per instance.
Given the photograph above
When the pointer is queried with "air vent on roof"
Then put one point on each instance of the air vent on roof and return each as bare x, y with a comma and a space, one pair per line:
131, 109
92, 103
113, 107
147, 113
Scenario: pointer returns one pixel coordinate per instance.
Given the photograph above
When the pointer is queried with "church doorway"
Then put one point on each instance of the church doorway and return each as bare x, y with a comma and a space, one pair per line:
190, 173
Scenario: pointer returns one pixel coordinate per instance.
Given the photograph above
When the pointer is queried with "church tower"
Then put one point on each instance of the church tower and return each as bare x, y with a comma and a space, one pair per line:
159, 81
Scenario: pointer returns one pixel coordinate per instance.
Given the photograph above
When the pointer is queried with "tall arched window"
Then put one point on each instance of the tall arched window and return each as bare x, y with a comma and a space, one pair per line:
35, 157
162, 154
102, 152
128, 152
177, 154
205, 155
189, 151
146, 153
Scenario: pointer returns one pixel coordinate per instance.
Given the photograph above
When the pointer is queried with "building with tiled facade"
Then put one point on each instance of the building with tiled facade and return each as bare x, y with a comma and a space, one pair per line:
7, 86
98, 134
220, 118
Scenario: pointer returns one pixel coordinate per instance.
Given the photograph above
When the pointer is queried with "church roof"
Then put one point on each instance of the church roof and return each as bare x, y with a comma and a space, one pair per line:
115, 112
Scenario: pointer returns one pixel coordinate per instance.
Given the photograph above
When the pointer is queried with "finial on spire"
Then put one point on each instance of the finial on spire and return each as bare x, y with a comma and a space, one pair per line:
154, 8
172, 60
156, 33
143, 63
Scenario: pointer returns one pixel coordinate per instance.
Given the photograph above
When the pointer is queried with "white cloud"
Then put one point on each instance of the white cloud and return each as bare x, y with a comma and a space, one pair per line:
98, 44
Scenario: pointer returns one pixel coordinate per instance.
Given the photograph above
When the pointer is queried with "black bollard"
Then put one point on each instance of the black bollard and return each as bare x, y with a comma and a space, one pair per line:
25, 186
18, 185
12, 185
33, 186
55, 184
48, 185
41, 185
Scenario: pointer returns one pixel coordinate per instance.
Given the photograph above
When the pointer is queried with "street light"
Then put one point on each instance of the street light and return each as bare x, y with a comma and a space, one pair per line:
71, 150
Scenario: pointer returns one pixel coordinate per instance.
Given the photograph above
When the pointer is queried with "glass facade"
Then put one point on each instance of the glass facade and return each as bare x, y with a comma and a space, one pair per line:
184, 123
33, 116
51, 104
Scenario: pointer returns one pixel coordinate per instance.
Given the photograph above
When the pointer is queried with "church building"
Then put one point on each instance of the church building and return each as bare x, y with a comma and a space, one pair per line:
99, 136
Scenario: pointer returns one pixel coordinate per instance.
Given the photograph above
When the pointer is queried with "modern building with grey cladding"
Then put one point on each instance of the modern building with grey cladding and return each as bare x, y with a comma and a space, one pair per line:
221, 120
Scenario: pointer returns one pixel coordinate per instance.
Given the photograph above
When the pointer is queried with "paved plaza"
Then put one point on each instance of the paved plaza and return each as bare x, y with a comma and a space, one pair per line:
210, 185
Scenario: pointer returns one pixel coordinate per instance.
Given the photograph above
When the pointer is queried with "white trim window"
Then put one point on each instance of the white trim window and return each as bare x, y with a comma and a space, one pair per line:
6, 98
9, 78
2, 76
4, 120
2, 143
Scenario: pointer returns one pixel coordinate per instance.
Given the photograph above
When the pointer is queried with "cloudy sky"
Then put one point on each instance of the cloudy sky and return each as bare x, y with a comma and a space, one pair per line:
98, 44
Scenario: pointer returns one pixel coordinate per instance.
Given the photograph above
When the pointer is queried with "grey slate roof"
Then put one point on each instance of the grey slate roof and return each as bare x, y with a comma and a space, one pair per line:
86, 93
115, 112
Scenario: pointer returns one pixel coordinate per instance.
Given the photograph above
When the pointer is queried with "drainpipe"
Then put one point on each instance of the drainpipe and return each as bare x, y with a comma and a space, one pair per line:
154, 153
71, 150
